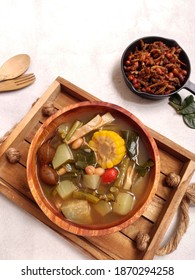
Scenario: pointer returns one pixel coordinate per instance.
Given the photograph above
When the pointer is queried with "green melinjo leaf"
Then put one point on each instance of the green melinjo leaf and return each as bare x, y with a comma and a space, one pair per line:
145, 168
84, 158
175, 101
187, 101
185, 108
132, 141
189, 120
189, 109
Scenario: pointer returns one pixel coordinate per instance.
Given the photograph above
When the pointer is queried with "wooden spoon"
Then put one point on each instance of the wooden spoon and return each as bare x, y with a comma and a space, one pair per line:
14, 67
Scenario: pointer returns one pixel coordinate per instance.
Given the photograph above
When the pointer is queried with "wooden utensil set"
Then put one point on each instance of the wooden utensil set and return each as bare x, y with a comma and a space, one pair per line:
12, 75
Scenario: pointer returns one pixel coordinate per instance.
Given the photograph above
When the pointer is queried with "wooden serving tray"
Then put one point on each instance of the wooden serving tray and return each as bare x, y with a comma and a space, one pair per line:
121, 245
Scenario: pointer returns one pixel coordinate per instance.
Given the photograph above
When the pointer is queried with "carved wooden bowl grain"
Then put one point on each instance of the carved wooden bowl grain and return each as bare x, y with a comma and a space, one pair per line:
48, 129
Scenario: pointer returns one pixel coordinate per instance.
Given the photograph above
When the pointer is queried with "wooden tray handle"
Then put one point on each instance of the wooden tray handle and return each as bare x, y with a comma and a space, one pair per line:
142, 239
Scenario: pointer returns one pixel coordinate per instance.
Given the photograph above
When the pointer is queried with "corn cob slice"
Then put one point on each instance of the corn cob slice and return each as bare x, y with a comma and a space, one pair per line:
109, 147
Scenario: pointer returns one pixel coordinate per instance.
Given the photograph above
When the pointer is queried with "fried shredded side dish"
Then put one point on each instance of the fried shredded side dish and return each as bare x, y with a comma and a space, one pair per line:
155, 68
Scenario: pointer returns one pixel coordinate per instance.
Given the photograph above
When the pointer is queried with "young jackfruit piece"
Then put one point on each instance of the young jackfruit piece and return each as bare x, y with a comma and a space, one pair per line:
109, 147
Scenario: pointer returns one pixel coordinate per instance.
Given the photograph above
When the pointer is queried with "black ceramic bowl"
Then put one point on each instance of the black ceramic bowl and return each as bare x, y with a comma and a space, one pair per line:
187, 84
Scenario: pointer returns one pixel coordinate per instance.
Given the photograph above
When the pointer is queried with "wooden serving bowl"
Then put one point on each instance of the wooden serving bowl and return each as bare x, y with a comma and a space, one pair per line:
47, 130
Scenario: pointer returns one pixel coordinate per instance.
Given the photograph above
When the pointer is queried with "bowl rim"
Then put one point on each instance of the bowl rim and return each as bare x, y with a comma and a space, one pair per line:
45, 205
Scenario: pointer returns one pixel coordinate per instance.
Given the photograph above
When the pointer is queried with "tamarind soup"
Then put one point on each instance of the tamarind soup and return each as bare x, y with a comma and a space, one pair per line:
95, 169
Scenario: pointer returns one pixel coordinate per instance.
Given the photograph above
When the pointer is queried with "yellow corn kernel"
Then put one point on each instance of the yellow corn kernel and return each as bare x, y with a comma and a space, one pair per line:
109, 147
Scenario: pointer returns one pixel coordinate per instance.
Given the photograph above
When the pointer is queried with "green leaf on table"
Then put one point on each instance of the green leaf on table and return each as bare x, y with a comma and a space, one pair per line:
185, 108
189, 120
187, 101
175, 101
188, 109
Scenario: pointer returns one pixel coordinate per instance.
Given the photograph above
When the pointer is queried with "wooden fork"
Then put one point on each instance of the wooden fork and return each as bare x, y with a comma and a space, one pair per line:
17, 83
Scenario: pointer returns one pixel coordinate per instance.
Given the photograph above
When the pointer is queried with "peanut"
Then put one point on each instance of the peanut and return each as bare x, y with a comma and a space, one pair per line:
90, 169
99, 171
77, 143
